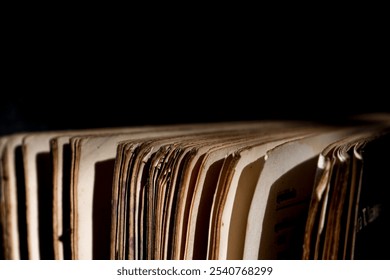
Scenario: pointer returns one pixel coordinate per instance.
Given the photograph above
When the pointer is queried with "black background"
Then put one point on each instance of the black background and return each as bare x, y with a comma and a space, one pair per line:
51, 103
77, 78
108, 108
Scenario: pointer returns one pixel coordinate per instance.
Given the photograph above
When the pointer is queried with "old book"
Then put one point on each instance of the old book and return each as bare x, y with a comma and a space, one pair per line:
230, 190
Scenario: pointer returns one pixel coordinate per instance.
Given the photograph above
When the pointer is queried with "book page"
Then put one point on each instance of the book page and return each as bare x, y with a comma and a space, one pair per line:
337, 183
2, 203
279, 206
318, 203
341, 169
224, 179
124, 161
39, 194
184, 189
234, 200
60, 156
13, 198
372, 233
205, 185
350, 232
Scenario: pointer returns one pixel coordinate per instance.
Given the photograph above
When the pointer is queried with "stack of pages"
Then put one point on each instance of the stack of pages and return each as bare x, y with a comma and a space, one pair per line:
228, 190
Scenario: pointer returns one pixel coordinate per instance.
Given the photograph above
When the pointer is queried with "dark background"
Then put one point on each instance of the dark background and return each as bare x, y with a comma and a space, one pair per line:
107, 106
90, 98
74, 77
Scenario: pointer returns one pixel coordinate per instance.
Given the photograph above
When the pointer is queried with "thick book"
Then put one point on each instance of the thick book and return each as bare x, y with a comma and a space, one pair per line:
266, 189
